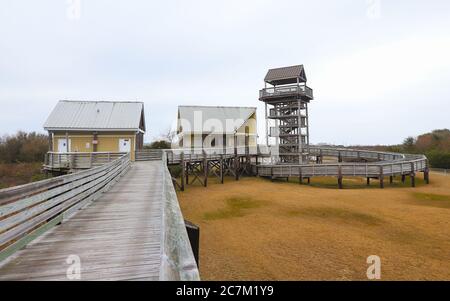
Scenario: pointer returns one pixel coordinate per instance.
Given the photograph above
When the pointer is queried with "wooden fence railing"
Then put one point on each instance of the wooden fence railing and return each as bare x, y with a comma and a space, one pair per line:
29, 210
78, 160
148, 154
177, 258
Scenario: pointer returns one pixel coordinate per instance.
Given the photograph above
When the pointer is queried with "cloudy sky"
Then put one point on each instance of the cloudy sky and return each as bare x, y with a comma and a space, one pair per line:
380, 70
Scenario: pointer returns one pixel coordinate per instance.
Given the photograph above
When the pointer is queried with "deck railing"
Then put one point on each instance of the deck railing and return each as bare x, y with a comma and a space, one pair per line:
78, 160
177, 259
29, 210
286, 91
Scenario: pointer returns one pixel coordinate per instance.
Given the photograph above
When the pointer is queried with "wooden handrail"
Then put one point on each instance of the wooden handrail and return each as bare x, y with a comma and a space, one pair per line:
28, 210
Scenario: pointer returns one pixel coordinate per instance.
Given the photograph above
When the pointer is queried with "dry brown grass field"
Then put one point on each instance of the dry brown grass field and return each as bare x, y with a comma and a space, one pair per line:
255, 229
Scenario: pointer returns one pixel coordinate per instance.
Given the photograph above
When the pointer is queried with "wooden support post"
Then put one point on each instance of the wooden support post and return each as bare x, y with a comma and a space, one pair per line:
50, 141
182, 171
339, 157
391, 179
221, 169
381, 176
236, 167
309, 180
187, 166
403, 179
205, 169
368, 181
271, 173
413, 175
340, 177
426, 173
67, 143
300, 178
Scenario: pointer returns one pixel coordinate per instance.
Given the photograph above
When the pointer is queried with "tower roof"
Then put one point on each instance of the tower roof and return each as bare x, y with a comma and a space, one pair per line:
286, 75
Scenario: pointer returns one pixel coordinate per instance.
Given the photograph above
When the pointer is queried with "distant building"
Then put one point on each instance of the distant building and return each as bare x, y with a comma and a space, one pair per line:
96, 126
216, 127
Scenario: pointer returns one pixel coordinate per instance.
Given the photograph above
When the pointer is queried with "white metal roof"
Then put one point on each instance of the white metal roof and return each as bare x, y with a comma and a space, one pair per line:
207, 119
96, 115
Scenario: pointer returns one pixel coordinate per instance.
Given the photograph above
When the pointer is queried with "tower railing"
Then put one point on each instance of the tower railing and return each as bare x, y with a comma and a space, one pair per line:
286, 90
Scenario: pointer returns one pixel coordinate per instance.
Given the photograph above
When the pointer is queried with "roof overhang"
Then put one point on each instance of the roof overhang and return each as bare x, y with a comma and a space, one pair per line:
92, 130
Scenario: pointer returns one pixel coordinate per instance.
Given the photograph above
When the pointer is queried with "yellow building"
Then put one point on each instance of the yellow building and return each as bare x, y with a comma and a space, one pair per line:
203, 127
96, 126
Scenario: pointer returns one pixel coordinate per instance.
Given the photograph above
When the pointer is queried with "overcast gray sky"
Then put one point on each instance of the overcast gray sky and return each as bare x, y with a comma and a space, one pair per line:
380, 70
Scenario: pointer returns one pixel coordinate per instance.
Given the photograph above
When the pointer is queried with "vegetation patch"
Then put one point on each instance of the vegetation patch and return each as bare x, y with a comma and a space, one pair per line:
235, 207
337, 214
432, 200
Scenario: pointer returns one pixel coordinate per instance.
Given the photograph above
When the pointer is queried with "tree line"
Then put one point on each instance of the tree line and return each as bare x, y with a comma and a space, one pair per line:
23, 147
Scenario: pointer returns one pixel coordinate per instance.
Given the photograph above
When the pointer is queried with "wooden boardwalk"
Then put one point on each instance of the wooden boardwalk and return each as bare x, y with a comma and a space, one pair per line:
117, 237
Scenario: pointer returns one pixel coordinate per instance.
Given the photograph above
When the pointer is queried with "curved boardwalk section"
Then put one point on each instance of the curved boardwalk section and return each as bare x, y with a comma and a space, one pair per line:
117, 237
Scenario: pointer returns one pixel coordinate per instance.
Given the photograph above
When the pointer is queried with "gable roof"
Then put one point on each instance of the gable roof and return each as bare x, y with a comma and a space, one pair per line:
285, 75
230, 118
96, 115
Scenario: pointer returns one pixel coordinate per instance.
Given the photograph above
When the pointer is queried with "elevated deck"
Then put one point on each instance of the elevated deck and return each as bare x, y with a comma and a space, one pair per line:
282, 93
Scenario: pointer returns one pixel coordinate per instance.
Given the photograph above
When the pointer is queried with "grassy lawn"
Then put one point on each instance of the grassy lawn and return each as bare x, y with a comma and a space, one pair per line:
258, 229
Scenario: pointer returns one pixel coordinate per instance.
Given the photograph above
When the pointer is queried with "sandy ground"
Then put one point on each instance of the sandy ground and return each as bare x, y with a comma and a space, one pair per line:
256, 229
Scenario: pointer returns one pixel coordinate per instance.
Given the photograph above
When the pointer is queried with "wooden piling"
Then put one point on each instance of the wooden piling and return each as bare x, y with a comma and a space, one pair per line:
381, 176
426, 175
183, 171
205, 170
221, 169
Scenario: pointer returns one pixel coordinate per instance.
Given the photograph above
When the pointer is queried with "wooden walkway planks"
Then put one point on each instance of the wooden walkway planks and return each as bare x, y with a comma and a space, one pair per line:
118, 237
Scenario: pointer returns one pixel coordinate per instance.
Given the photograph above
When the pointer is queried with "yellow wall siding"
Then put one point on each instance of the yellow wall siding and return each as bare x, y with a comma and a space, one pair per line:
108, 142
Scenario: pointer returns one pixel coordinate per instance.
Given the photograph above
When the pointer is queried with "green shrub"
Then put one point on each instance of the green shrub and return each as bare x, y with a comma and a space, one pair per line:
439, 159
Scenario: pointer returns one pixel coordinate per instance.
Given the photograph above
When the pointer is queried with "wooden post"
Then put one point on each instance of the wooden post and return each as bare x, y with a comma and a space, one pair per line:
236, 158
368, 181
426, 173
381, 175
95, 142
183, 171
391, 179
339, 157
300, 179
187, 172
50, 141
340, 177
413, 175
403, 179
221, 169
413, 179
67, 142
205, 169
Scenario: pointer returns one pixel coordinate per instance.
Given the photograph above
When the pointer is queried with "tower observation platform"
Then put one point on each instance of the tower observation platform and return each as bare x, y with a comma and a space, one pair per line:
286, 97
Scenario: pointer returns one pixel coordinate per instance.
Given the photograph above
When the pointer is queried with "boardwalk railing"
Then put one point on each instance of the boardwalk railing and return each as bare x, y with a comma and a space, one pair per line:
177, 258
148, 155
407, 167
78, 160
29, 210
